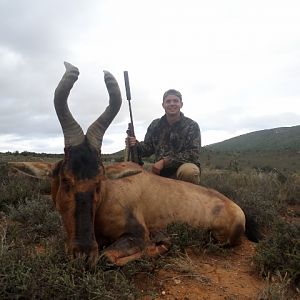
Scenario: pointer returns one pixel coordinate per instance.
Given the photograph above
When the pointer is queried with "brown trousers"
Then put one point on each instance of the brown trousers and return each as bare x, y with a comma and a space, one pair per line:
189, 172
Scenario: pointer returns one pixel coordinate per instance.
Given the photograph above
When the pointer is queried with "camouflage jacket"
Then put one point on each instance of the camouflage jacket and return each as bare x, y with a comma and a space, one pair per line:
177, 143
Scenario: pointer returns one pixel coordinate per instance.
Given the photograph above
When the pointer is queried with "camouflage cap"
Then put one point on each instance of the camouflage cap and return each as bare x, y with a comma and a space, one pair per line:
172, 92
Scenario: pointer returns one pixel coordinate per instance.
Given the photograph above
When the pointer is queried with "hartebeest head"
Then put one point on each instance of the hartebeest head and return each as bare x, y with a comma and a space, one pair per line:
77, 178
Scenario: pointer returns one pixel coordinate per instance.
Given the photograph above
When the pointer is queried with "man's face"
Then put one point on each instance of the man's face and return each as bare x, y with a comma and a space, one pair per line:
172, 105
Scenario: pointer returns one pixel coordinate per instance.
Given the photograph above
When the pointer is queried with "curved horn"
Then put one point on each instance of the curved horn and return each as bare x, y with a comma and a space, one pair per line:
72, 131
96, 131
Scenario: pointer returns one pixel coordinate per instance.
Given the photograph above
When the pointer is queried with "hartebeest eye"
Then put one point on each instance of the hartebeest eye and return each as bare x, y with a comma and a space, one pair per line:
98, 189
66, 184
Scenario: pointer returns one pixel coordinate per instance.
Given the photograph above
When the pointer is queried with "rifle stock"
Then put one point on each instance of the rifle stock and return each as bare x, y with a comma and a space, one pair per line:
133, 154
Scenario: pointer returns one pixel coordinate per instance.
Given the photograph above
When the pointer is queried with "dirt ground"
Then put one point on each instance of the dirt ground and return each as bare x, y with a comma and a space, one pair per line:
207, 276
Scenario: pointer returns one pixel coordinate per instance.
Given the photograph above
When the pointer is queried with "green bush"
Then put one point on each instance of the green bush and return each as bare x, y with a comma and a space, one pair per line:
280, 251
15, 189
291, 192
183, 235
199, 240
50, 275
38, 217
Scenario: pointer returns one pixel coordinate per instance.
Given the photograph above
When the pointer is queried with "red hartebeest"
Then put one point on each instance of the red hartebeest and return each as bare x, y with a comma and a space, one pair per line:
121, 205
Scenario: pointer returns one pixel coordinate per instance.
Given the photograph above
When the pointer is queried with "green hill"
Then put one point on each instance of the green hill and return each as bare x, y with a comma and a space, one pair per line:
277, 148
276, 139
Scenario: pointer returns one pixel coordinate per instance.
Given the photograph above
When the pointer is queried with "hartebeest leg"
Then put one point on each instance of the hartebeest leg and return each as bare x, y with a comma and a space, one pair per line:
130, 247
131, 244
125, 249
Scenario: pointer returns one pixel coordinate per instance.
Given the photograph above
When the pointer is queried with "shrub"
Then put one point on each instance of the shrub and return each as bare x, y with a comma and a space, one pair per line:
277, 288
15, 189
27, 275
183, 236
43, 271
280, 251
38, 217
291, 190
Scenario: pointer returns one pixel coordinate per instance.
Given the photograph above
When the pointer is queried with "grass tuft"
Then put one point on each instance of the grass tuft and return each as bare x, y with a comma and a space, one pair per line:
38, 216
280, 251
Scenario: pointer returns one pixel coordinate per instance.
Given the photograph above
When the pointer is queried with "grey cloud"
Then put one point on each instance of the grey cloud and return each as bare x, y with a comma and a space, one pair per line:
240, 121
41, 27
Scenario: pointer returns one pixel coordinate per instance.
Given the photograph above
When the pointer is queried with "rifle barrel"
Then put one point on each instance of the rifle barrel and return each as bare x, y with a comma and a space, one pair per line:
128, 96
127, 86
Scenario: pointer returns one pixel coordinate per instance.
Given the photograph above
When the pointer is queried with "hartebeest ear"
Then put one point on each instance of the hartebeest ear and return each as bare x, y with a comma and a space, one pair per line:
41, 170
121, 170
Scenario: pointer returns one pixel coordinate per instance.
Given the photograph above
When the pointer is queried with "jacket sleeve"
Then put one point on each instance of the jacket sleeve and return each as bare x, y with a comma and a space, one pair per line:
146, 147
190, 152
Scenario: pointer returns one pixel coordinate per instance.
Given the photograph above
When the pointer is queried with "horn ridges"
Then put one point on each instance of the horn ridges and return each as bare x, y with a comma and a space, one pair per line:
72, 131
96, 130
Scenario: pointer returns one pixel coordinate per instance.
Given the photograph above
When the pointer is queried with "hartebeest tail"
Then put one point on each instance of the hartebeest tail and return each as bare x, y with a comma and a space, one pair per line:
122, 206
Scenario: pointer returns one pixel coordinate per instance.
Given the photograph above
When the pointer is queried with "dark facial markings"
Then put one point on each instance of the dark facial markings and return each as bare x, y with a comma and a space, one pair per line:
78, 171
84, 228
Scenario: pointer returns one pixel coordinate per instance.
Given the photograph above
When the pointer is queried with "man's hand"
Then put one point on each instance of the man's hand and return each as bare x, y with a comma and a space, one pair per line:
158, 166
130, 141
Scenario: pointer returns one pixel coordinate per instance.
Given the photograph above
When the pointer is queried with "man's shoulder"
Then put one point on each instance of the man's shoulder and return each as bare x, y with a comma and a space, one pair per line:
155, 123
188, 121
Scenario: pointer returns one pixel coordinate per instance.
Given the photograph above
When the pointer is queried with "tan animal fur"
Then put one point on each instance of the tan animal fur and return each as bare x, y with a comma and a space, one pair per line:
155, 203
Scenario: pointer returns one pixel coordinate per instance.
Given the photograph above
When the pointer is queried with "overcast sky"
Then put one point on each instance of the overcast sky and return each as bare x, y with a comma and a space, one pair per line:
236, 63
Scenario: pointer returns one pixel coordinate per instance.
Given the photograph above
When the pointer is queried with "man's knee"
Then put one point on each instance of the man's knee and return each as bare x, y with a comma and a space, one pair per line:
189, 172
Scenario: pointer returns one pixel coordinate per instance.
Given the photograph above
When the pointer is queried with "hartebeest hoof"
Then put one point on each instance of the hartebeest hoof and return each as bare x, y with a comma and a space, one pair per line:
156, 250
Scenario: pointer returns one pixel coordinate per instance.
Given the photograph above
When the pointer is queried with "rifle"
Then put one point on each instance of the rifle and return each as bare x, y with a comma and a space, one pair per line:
131, 154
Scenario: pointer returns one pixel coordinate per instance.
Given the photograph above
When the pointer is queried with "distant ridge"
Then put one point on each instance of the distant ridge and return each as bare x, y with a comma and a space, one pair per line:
276, 139
277, 148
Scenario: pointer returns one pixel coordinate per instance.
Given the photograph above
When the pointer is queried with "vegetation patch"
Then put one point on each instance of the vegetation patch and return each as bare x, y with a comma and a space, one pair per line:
198, 240
280, 251
15, 189
33, 263
38, 217
51, 276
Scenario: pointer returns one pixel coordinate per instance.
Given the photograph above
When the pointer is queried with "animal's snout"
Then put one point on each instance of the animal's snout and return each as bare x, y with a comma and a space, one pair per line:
86, 249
